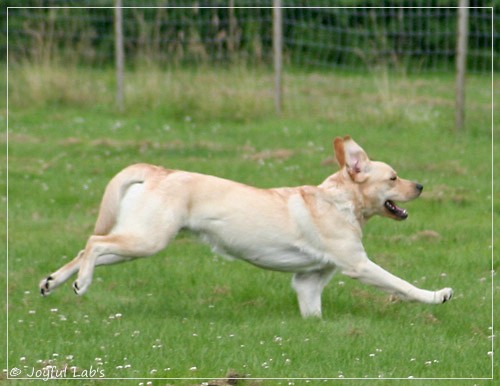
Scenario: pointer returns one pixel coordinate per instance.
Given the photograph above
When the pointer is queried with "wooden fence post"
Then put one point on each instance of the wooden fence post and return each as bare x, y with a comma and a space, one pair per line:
119, 56
231, 39
461, 63
278, 55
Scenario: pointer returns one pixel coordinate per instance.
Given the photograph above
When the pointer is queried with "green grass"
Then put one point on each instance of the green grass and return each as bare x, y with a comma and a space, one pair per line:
187, 313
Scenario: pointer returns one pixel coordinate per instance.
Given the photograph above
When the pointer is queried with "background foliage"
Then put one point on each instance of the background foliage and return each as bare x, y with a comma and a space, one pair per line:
414, 38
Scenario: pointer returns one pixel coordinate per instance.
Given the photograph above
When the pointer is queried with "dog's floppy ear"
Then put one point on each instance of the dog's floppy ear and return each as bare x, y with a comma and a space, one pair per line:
338, 146
351, 156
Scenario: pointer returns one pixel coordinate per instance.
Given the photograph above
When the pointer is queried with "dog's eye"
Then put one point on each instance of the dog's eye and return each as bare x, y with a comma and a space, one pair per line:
394, 178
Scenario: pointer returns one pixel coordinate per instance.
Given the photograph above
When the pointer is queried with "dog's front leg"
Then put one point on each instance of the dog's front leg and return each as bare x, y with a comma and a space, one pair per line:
370, 273
309, 287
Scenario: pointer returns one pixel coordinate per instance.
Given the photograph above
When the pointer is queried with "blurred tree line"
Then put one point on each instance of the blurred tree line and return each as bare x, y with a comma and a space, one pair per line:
424, 38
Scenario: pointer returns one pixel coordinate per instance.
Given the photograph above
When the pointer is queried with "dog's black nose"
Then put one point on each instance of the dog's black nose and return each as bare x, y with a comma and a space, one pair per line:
419, 187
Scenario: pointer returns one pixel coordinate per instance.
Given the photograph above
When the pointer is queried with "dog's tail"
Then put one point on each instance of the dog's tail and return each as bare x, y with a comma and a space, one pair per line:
110, 204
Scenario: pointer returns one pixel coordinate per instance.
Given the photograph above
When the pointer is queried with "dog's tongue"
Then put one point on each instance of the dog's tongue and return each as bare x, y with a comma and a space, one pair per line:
396, 210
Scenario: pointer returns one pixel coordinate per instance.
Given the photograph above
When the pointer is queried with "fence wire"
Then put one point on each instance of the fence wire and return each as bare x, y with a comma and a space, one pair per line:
421, 36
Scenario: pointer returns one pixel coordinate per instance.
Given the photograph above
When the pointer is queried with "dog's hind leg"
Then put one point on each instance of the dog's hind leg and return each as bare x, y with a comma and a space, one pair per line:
309, 287
146, 221
57, 278
60, 276
111, 249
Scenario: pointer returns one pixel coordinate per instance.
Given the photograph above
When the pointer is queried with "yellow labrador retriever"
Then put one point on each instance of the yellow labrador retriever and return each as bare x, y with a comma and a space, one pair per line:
311, 231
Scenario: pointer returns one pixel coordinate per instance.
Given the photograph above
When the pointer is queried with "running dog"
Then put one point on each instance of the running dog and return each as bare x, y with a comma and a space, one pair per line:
310, 231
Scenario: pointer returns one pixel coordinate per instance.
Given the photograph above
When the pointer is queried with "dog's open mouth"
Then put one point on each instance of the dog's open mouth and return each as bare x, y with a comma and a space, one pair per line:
396, 211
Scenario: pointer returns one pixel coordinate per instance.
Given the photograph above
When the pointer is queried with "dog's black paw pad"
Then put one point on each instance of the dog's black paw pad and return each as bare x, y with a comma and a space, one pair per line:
47, 281
448, 295
45, 287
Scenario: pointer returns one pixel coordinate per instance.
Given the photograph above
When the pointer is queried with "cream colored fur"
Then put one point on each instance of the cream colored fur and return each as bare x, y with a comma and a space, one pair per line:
311, 231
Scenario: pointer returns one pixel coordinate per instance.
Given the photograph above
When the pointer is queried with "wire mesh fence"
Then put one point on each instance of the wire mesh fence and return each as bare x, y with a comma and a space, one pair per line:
405, 36
413, 38
421, 35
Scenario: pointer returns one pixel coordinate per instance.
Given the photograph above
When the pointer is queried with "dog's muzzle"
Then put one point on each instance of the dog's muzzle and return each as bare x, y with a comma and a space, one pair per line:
396, 211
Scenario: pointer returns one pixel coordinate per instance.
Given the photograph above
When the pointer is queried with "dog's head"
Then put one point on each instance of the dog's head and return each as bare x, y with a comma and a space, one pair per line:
377, 183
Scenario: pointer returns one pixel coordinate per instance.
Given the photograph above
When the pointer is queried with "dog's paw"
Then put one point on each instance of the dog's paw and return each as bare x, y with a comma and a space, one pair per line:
442, 296
46, 285
80, 287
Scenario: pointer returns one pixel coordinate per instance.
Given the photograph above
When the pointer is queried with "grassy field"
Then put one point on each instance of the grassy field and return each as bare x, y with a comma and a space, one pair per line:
187, 313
